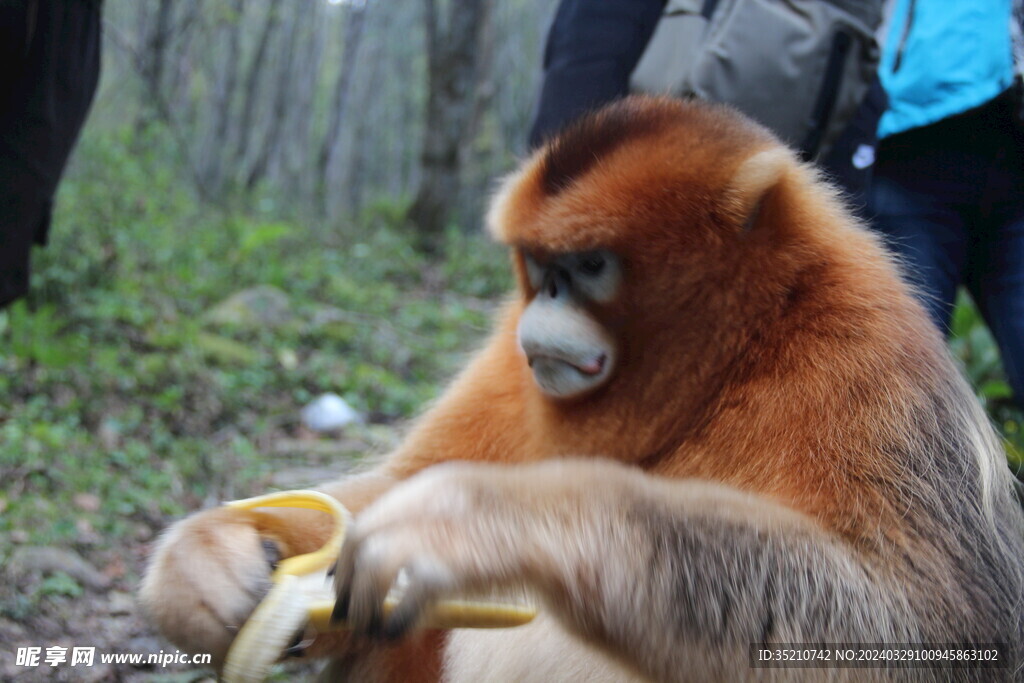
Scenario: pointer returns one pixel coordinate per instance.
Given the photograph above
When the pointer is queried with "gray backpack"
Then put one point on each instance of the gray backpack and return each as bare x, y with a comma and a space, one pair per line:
800, 67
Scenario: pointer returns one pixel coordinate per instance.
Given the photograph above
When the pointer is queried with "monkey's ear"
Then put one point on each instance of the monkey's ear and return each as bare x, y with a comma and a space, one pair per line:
754, 179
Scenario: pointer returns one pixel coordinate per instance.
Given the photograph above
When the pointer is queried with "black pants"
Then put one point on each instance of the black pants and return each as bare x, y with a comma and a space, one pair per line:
949, 198
49, 69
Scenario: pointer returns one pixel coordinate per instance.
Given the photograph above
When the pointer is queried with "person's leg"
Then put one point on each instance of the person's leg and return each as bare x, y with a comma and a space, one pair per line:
995, 271
20, 219
51, 56
997, 284
917, 206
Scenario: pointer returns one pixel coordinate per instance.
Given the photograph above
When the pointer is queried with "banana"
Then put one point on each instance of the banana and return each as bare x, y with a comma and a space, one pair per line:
301, 596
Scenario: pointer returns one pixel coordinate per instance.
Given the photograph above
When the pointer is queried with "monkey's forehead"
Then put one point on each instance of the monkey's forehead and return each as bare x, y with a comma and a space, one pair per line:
633, 166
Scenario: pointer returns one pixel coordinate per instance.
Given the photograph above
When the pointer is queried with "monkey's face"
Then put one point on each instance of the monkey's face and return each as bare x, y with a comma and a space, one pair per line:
625, 229
569, 351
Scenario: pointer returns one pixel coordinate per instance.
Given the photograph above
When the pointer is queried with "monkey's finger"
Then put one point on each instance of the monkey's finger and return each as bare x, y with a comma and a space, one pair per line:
376, 568
344, 569
271, 552
228, 585
427, 582
298, 645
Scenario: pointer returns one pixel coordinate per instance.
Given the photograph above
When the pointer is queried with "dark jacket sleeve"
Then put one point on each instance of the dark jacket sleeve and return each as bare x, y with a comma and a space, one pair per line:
591, 50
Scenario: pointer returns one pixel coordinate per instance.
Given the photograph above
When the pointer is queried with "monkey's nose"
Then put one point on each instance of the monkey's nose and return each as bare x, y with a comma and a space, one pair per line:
555, 284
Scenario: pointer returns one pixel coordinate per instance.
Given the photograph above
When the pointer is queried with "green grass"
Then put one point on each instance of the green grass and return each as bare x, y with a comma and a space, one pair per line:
974, 346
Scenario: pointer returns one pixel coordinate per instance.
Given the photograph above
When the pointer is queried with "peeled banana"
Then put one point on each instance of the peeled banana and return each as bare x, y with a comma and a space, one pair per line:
301, 596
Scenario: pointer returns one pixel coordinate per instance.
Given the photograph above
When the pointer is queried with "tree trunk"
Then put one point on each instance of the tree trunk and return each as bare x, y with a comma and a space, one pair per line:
252, 82
279, 112
355, 21
216, 147
365, 140
473, 194
298, 144
153, 63
181, 67
451, 71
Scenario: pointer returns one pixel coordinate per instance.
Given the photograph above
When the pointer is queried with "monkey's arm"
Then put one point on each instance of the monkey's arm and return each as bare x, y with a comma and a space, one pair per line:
662, 574
702, 571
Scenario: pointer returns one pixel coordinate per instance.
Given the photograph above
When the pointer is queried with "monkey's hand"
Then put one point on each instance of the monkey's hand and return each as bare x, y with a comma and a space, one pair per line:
453, 530
207, 575
210, 571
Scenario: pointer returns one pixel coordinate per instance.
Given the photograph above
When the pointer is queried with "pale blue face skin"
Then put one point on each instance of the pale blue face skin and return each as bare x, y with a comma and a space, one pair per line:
569, 352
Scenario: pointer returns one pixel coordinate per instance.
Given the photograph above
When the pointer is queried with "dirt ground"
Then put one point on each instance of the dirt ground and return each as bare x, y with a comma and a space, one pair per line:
85, 596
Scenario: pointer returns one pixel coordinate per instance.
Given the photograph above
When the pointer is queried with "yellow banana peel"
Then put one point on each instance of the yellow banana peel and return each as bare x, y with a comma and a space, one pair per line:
301, 596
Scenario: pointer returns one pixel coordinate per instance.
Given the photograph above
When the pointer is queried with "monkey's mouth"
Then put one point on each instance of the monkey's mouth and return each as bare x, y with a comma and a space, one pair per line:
561, 377
590, 367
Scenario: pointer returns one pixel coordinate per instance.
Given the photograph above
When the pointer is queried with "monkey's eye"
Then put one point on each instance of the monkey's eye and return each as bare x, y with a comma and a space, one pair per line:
595, 275
591, 265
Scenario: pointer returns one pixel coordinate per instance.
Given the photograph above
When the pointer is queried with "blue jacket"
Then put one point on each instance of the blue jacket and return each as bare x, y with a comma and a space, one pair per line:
943, 57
